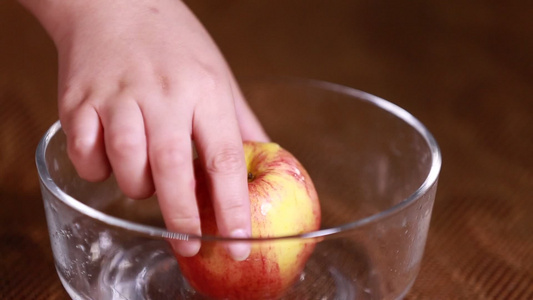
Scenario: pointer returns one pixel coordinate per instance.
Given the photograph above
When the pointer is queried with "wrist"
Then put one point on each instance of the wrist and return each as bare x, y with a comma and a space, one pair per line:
53, 15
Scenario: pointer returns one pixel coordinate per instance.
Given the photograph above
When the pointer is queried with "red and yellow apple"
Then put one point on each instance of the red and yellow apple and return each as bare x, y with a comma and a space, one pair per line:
283, 202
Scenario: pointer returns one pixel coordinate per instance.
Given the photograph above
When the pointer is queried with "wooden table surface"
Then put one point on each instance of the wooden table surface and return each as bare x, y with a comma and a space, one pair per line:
464, 68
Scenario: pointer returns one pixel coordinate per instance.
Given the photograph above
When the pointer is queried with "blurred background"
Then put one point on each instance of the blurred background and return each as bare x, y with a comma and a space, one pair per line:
464, 68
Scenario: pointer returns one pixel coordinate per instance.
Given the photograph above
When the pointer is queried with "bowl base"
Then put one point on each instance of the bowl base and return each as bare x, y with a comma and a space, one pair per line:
149, 271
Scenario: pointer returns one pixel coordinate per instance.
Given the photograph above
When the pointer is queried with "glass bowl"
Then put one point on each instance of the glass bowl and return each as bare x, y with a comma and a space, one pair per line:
375, 168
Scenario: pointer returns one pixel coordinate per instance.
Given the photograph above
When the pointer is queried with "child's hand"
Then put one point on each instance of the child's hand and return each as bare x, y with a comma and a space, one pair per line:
138, 80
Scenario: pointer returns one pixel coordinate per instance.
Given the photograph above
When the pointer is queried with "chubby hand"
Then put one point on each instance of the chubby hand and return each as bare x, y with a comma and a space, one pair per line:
138, 82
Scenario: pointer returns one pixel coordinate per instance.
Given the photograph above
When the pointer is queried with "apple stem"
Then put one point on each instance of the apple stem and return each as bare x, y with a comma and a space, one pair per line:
250, 176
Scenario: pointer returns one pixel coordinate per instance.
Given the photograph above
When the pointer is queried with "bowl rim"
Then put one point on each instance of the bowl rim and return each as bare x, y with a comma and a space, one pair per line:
152, 231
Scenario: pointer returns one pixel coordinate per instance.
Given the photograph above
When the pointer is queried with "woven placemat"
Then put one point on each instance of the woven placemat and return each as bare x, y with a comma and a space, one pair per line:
464, 69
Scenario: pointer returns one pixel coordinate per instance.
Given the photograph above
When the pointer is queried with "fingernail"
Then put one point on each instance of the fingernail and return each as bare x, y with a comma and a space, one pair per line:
239, 251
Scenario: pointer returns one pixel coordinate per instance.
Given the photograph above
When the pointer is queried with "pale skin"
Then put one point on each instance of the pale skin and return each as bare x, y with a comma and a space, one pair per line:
139, 81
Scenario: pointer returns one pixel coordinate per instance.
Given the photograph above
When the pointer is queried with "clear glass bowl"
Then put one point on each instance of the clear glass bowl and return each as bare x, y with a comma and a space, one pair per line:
374, 165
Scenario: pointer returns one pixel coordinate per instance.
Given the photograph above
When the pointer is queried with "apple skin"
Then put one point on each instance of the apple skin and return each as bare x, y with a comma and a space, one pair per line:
283, 202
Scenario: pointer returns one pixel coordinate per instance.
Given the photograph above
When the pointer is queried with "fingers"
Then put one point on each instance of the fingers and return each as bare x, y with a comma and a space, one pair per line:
126, 148
147, 143
216, 134
170, 154
85, 143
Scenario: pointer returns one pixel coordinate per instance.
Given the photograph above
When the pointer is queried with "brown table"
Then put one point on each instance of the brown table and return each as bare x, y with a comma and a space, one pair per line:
464, 68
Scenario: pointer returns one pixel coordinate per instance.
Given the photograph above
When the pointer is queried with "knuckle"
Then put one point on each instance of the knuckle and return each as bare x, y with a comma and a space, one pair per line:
71, 92
187, 223
188, 219
209, 82
124, 144
207, 77
73, 99
168, 157
226, 161
79, 147
231, 207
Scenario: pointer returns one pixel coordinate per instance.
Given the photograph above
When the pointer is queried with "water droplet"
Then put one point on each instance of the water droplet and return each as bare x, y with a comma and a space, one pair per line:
105, 240
302, 276
95, 251
265, 207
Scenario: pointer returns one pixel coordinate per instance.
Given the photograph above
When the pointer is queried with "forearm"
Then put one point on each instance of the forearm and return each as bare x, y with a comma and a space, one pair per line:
60, 17
54, 15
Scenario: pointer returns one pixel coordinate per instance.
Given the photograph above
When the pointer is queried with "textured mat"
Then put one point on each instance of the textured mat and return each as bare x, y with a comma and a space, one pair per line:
464, 69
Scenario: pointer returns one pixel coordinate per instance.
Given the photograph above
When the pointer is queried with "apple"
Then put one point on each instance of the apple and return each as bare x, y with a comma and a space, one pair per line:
283, 202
